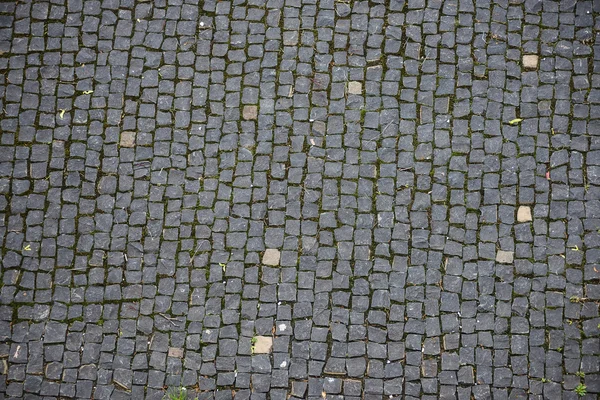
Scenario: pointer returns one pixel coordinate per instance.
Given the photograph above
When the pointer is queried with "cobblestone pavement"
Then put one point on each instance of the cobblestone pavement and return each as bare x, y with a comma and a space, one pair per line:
273, 199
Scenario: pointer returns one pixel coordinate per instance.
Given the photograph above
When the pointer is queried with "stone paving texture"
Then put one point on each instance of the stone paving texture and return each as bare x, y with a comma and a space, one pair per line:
273, 199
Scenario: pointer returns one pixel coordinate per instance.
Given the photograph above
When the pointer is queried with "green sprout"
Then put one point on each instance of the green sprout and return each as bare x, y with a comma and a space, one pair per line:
179, 393
581, 390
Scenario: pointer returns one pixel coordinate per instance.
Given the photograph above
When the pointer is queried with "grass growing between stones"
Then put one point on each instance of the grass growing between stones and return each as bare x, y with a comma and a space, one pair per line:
179, 393
581, 390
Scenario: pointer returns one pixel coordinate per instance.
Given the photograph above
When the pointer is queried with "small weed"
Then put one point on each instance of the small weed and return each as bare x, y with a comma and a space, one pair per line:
581, 390
253, 341
179, 393
580, 374
544, 380
559, 349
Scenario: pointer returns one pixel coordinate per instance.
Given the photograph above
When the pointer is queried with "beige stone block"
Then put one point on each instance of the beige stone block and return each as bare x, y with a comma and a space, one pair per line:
176, 352
250, 112
505, 257
271, 257
530, 61
262, 344
127, 139
355, 87
524, 214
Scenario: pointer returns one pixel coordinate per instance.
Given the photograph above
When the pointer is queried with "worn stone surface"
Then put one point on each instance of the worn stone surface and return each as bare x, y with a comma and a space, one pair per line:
250, 112
176, 352
127, 139
351, 182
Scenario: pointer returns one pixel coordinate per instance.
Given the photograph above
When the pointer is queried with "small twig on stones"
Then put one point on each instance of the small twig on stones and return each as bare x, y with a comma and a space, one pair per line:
121, 386
194, 255
387, 126
172, 320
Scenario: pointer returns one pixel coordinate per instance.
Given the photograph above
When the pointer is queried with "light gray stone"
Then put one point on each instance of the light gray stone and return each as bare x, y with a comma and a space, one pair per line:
505, 257
355, 87
271, 257
530, 61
